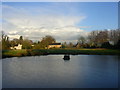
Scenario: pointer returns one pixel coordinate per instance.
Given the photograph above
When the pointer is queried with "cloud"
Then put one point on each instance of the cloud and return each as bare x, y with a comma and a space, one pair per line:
21, 22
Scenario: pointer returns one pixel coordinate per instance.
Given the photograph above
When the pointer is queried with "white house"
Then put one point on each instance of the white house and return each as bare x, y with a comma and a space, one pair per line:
19, 46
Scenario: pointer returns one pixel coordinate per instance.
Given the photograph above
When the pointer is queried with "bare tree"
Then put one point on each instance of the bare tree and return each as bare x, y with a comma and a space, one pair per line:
81, 40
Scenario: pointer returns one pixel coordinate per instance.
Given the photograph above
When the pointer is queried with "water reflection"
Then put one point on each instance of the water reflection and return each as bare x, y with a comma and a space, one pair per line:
66, 57
91, 71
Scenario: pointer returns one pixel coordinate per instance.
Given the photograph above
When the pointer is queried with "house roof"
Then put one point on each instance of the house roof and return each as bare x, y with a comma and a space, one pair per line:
55, 44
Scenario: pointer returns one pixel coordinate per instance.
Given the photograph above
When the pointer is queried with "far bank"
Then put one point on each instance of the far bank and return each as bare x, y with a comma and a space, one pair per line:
37, 52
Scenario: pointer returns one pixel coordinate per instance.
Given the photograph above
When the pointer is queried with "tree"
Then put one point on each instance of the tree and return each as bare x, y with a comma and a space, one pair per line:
102, 37
64, 45
91, 38
47, 40
117, 46
114, 35
81, 40
26, 44
106, 45
5, 41
14, 42
96, 38
21, 39
70, 45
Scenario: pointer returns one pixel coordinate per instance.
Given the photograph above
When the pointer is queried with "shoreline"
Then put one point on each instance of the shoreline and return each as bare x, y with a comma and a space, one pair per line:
43, 52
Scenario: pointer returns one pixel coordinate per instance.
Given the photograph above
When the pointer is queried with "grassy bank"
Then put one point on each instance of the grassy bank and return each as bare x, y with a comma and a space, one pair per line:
19, 53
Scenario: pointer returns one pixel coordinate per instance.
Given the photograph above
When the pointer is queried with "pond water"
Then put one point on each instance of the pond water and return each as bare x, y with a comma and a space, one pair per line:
51, 71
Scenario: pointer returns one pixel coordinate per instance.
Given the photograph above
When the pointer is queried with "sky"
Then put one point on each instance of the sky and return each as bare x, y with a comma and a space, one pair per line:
65, 21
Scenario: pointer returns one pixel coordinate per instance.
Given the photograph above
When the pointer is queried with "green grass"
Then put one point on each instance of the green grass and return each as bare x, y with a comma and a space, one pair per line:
19, 53
14, 53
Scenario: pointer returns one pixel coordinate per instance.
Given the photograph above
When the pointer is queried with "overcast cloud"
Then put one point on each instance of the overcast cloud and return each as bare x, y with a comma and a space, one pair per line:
36, 25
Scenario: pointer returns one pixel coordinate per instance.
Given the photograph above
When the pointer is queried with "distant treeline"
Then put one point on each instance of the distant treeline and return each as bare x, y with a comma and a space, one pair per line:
95, 39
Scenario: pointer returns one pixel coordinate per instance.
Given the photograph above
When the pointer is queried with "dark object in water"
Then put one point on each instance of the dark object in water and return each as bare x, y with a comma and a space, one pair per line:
66, 57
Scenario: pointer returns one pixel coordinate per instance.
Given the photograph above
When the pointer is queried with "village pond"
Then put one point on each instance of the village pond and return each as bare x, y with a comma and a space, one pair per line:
51, 71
